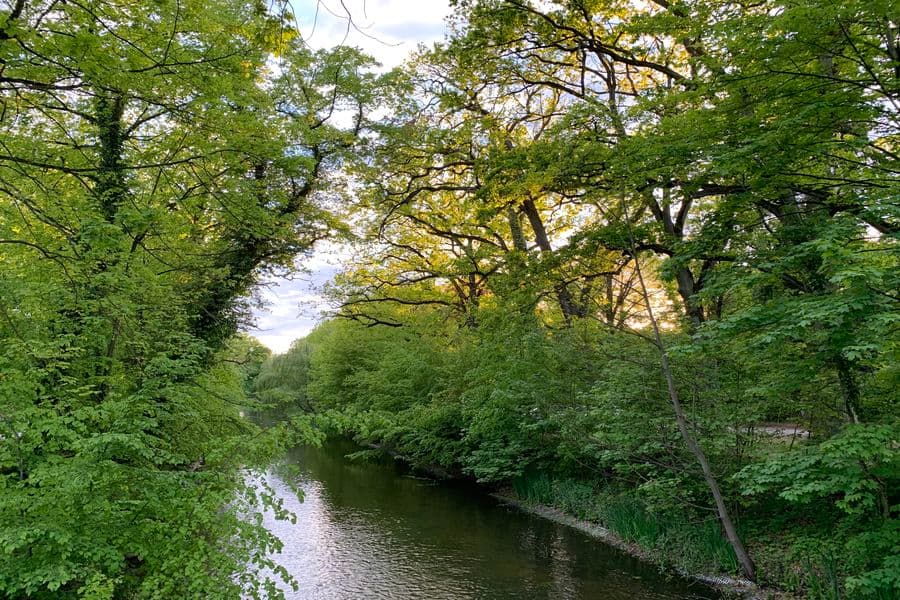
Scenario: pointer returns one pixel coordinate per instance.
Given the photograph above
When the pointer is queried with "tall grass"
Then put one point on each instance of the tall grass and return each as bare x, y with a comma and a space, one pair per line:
631, 521
671, 539
822, 581
576, 498
534, 487
714, 549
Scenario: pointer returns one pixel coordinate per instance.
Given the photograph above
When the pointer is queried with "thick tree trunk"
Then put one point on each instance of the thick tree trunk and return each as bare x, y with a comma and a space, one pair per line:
849, 389
688, 284
563, 295
110, 191
687, 289
110, 187
515, 228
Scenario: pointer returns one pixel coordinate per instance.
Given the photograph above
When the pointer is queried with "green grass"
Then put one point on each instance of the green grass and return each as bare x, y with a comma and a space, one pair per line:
712, 549
629, 519
822, 581
534, 487
670, 539
576, 498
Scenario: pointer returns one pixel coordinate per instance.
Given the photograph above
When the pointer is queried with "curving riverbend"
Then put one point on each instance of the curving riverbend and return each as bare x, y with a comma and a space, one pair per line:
373, 530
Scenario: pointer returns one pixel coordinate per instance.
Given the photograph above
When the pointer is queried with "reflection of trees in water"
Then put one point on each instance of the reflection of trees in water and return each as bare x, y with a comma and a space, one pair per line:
370, 530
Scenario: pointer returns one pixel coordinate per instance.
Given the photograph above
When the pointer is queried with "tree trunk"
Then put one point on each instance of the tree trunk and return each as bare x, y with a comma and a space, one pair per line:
515, 227
563, 295
687, 288
110, 188
849, 389
472, 302
724, 516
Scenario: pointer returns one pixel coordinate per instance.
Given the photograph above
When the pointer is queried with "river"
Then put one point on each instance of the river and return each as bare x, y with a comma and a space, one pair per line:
374, 530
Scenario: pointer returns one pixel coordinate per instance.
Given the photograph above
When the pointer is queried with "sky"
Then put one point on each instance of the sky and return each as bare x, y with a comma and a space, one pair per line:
388, 30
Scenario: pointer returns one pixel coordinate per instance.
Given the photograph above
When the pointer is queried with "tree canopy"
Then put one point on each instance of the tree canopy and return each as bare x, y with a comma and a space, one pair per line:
153, 163
603, 251
716, 181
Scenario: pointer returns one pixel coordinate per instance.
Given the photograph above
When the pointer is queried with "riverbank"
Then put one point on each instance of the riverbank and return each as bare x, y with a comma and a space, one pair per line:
730, 586
795, 558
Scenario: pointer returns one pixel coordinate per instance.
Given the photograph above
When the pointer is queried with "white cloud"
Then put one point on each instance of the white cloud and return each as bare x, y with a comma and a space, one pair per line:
387, 29
293, 305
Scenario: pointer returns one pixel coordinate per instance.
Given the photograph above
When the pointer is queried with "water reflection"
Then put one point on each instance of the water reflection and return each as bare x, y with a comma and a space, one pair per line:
368, 530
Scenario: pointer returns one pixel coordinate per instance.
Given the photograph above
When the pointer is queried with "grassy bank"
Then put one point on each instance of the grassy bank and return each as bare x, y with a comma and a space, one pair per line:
729, 586
798, 563
695, 546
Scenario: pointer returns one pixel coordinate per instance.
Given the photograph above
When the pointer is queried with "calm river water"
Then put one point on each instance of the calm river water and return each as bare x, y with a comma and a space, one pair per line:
373, 530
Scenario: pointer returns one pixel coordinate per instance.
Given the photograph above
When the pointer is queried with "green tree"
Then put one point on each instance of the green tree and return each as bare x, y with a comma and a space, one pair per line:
152, 164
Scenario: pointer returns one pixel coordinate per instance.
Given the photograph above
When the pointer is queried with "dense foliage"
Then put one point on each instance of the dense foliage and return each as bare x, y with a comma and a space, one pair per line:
153, 163
640, 259
634, 258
